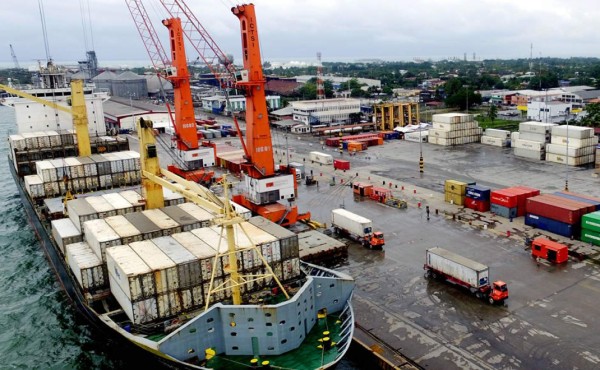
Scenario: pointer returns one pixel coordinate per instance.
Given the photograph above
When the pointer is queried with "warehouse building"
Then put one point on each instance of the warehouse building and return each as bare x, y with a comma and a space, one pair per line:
326, 111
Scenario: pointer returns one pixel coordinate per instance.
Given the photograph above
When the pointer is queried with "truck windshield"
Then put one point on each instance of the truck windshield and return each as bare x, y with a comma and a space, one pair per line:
368, 230
501, 288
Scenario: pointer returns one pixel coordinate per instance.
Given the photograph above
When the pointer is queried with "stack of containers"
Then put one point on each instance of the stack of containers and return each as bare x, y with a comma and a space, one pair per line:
556, 214
511, 202
573, 145
100, 236
454, 129
192, 289
64, 233
532, 139
496, 137
288, 243
590, 228
88, 268
188, 268
125, 229
477, 197
120, 204
132, 284
454, 192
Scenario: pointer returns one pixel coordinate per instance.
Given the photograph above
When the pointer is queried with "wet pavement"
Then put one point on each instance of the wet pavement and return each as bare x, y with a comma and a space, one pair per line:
549, 321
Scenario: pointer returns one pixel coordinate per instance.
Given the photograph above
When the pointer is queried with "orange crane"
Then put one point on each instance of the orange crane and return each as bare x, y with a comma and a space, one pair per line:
191, 156
264, 186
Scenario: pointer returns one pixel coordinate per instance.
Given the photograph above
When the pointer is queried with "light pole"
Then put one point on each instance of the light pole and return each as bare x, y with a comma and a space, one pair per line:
467, 86
567, 160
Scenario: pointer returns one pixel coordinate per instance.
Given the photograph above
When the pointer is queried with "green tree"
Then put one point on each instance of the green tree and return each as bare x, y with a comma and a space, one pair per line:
493, 112
592, 117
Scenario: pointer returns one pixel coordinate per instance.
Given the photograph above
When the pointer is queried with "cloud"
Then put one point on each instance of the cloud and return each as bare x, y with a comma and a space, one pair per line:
297, 29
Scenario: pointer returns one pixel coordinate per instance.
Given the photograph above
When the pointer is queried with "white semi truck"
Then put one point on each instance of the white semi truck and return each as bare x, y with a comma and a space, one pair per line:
356, 227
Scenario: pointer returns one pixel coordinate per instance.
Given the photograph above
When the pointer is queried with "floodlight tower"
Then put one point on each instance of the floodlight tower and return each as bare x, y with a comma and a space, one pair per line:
320, 86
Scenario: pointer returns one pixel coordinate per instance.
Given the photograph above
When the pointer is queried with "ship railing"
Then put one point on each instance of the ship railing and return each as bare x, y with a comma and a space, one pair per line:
347, 328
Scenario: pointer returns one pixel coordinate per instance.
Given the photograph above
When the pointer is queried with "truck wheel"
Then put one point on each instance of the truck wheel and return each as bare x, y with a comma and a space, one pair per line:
478, 295
434, 275
491, 300
427, 274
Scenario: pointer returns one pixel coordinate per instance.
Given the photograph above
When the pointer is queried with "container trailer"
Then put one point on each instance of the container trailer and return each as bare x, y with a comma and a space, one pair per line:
474, 276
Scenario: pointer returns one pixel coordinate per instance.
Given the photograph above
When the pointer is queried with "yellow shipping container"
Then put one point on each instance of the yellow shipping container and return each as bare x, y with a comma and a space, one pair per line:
457, 199
455, 187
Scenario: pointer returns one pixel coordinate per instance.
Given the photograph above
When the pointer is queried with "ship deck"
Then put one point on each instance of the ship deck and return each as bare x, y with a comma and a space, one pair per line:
304, 357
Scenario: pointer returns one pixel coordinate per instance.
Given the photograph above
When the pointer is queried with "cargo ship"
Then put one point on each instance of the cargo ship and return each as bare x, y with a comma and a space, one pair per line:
162, 279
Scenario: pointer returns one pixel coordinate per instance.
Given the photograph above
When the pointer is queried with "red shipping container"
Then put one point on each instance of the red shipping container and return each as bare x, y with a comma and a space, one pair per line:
477, 205
340, 164
549, 250
584, 207
504, 197
553, 208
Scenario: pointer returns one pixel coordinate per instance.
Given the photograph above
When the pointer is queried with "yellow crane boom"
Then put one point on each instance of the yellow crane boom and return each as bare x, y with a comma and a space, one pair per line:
77, 110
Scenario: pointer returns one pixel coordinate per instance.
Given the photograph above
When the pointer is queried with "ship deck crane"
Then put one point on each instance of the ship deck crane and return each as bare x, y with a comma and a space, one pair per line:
264, 187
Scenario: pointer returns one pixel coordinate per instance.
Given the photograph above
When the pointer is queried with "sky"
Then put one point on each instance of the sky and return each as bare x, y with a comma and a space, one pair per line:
295, 30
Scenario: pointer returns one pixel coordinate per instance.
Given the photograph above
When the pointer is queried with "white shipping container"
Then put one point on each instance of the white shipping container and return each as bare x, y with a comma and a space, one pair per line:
129, 273
575, 143
17, 142
86, 266
163, 268
100, 236
576, 132
188, 267
531, 154
105, 181
242, 211
216, 296
529, 145
125, 229
46, 171
204, 215
534, 136
218, 244
139, 312
537, 127
291, 268
120, 204
34, 186
91, 183
169, 304
64, 232
164, 222
502, 134
102, 207
202, 251
55, 138
417, 137
79, 211
468, 271
75, 168
569, 151
321, 158
134, 199
452, 117
116, 164
184, 219
494, 141
571, 161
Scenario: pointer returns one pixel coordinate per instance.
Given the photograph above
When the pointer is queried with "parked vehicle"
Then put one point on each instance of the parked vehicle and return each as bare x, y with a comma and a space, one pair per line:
322, 158
356, 227
443, 264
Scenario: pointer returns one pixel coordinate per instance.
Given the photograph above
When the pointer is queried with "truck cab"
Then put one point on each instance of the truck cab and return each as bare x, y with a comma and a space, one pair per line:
376, 240
499, 292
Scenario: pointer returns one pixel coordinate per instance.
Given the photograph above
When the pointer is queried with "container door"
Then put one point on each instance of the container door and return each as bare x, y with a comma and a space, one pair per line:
551, 255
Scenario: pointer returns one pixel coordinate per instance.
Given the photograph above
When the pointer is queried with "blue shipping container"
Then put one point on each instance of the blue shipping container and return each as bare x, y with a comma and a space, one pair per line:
556, 227
478, 192
596, 204
503, 211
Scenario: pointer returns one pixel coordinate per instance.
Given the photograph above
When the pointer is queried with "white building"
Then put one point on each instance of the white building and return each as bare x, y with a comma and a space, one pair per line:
237, 103
551, 111
325, 111
33, 116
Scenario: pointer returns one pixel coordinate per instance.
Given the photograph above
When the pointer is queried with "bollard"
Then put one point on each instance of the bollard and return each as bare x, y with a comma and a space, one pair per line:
341, 181
383, 182
508, 233
415, 191
369, 178
357, 174
321, 174
436, 211
402, 187
419, 205
396, 186
390, 185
